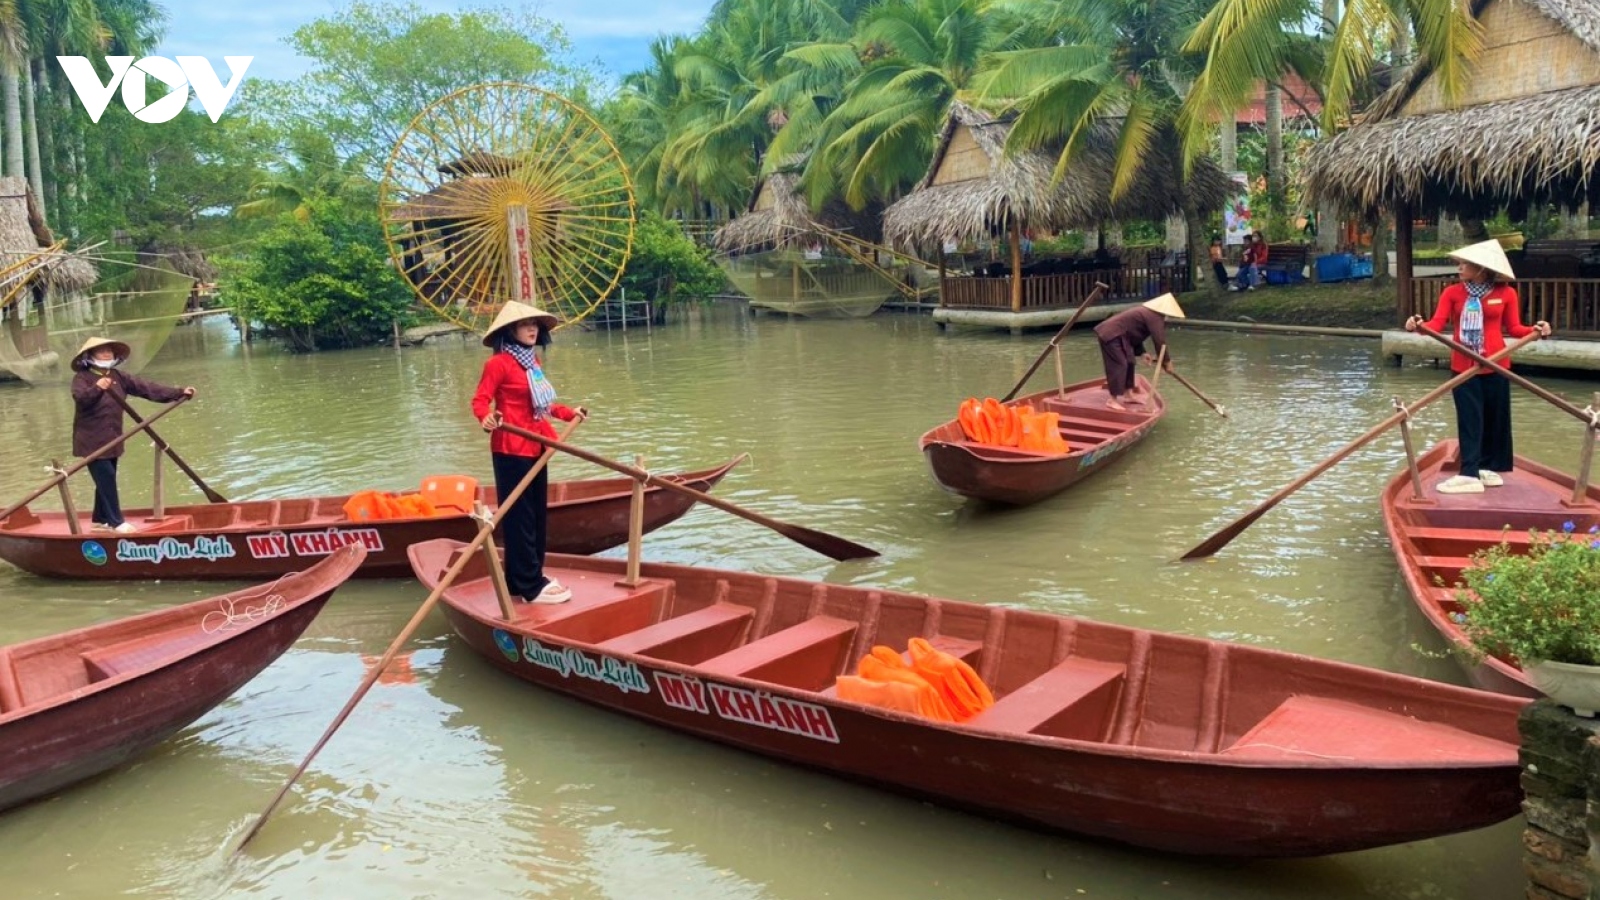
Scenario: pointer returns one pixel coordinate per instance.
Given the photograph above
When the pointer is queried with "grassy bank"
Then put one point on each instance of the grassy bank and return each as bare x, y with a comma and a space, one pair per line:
1357, 304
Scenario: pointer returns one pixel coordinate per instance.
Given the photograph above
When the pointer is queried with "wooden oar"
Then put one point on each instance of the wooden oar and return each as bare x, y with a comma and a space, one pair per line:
99, 452
1060, 336
449, 578
166, 448
1222, 538
1221, 410
1560, 403
827, 544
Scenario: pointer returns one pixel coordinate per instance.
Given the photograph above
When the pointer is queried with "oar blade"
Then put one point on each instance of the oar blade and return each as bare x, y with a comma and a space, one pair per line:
1223, 538
828, 545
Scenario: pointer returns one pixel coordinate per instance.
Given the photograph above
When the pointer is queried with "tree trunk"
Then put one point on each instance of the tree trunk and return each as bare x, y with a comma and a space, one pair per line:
1177, 231
1277, 179
35, 171
1450, 231
1380, 249
11, 89
1199, 257
1228, 145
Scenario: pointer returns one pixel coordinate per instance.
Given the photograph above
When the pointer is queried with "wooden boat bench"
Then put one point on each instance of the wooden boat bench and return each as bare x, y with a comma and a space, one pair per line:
10, 689
1324, 728
1074, 699
137, 653
690, 638
807, 656
965, 650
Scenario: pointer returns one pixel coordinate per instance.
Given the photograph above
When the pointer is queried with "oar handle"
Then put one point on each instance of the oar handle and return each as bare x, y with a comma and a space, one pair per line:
405, 634
99, 452
1540, 392
1099, 288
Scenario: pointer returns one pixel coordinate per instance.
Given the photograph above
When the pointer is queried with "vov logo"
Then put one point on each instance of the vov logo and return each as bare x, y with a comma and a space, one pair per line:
188, 71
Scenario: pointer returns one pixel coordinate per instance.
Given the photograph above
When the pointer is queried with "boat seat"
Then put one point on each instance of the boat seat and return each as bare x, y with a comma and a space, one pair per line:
135, 654
168, 525
294, 512
690, 638
1486, 536
1446, 567
807, 656
963, 649
1073, 700
256, 512
207, 518
10, 689
1312, 728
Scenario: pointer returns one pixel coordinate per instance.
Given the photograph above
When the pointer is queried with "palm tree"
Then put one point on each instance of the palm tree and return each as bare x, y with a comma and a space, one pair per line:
311, 171
13, 56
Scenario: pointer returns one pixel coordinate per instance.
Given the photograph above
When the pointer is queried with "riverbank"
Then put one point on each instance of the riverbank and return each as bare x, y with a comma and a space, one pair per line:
1357, 305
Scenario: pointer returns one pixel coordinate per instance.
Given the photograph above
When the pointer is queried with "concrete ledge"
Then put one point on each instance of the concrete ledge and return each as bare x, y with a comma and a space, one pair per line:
1266, 328
1552, 352
419, 333
1019, 322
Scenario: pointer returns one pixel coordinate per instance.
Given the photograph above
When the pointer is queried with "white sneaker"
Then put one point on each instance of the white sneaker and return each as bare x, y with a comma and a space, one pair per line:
125, 528
554, 592
100, 526
1490, 479
1460, 484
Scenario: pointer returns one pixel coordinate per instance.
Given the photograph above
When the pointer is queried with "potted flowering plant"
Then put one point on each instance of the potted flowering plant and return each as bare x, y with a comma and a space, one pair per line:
1542, 609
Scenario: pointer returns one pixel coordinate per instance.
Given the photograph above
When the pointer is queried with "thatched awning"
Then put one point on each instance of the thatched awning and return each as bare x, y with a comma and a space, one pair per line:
188, 261
778, 216
1538, 149
23, 235
1021, 185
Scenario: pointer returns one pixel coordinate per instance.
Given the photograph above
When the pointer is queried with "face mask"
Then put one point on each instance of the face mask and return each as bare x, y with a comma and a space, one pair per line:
105, 363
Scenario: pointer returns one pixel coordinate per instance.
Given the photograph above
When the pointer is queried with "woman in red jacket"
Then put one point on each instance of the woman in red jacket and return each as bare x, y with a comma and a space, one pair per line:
1481, 308
513, 383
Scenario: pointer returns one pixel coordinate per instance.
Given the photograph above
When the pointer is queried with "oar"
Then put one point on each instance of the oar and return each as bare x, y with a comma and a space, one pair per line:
827, 544
449, 578
1221, 410
1543, 394
1222, 538
99, 452
1060, 336
166, 448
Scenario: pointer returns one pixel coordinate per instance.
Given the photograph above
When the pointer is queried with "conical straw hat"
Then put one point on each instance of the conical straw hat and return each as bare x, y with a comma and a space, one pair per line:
1488, 254
1167, 305
514, 312
122, 350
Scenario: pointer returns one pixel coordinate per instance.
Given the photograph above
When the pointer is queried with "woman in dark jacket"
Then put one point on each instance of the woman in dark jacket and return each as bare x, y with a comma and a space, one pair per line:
98, 420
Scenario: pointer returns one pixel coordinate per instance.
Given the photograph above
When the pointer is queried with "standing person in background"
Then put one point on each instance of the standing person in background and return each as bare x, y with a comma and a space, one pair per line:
1218, 267
98, 420
513, 390
1481, 308
1122, 340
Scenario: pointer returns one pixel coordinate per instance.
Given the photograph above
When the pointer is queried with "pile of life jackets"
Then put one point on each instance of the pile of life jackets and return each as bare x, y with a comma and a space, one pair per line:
991, 422
933, 684
366, 506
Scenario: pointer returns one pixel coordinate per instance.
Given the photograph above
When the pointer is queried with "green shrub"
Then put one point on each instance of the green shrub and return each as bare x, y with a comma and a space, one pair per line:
1540, 606
666, 265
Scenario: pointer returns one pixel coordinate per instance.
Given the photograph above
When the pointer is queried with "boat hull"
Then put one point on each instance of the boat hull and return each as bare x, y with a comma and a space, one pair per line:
1098, 436
1435, 536
1192, 803
47, 745
585, 517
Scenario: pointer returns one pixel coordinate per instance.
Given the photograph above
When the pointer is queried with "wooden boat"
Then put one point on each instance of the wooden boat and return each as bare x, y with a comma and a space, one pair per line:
76, 704
264, 538
1098, 436
1163, 741
1435, 537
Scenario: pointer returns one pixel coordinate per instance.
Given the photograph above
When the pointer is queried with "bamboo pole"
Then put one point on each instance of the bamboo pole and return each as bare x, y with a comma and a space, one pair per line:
635, 527
66, 501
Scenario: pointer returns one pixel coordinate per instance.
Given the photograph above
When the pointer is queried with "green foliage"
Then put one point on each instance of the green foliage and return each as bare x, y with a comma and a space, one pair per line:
322, 281
666, 264
1540, 606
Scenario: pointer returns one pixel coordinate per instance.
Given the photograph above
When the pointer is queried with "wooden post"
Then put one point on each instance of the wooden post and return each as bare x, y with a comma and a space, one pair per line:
1411, 453
1580, 487
941, 274
497, 572
1016, 265
635, 528
1402, 260
158, 503
66, 501
1061, 378
520, 256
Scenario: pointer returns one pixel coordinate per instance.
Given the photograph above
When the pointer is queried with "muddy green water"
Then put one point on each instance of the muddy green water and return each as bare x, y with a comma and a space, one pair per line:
457, 781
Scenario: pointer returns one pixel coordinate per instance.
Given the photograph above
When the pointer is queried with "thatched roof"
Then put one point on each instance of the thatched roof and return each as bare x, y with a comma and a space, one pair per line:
23, 234
1020, 184
189, 261
1537, 145
779, 216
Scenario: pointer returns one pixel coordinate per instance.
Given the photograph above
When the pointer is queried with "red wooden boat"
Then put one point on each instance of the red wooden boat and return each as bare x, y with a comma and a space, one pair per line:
264, 538
1163, 741
1435, 537
79, 703
1098, 437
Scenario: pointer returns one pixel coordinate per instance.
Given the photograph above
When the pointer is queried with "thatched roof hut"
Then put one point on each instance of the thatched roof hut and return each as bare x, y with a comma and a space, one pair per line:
779, 216
23, 233
974, 189
1525, 131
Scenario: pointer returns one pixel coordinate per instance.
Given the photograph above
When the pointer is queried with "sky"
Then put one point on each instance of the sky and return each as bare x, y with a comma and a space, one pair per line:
617, 33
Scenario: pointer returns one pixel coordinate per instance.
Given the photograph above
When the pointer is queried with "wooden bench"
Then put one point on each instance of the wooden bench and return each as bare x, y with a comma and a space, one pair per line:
136, 654
690, 638
1072, 700
1287, 261
807, 656
1307, 727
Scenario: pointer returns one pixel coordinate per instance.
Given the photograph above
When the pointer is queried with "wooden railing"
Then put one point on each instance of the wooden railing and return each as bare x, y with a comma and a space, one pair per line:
1570, 305
1041, 292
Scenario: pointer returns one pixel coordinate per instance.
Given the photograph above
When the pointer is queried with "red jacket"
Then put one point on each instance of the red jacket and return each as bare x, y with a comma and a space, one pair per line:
1501, 316
505, 385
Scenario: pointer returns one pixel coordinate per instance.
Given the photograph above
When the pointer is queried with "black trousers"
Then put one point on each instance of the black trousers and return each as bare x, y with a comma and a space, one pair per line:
1483, 424
1221, 271
1119, 359
523, 529
107, 505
